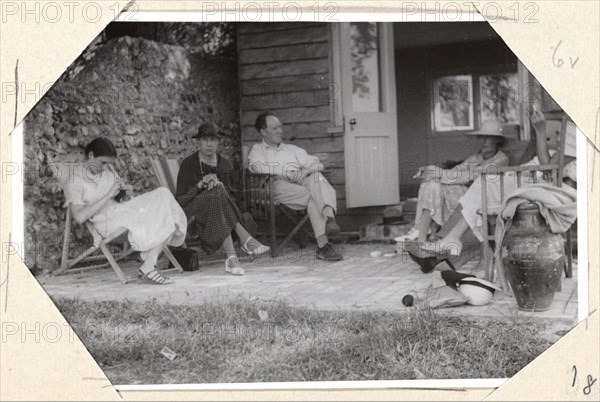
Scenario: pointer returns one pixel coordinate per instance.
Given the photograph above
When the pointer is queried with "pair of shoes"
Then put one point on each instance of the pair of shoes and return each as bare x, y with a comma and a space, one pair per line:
260, 249
236, 269
452, 248
328, 253
427, 262
331, 227
155, 277
412, 235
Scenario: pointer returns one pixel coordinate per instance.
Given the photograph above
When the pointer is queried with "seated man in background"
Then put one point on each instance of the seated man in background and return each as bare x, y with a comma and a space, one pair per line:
299, 183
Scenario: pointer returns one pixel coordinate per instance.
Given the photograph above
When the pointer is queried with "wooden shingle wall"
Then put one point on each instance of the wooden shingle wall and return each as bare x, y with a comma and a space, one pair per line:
285, 68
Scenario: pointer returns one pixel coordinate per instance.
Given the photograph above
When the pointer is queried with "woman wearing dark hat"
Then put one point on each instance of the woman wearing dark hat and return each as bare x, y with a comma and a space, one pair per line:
441, 189
153, 219
205, 184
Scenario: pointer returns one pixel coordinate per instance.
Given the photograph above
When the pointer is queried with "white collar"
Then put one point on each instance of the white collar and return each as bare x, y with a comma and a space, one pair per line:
277, 148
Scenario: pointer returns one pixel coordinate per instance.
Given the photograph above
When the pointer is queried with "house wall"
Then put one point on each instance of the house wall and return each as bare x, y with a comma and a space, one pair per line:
415, 70
286, 68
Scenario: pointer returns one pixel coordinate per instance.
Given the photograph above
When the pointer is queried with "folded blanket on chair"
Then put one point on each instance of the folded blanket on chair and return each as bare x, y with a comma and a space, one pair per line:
558, 206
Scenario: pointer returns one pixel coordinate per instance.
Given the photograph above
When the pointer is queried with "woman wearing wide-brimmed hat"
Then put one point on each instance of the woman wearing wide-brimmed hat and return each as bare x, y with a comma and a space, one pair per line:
441, 190
471, 202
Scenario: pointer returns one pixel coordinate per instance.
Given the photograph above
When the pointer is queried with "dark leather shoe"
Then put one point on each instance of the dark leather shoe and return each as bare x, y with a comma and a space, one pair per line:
426, 261
328, 253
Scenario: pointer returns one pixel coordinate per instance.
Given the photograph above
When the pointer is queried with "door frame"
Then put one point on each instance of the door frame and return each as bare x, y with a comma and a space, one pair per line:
342, 90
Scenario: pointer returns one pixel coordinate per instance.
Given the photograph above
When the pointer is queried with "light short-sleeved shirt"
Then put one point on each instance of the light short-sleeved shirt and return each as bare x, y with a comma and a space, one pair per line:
283, 160
81, 187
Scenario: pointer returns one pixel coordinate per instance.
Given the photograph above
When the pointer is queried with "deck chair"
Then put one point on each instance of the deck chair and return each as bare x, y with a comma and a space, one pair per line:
488, 216
101, 252
166, 171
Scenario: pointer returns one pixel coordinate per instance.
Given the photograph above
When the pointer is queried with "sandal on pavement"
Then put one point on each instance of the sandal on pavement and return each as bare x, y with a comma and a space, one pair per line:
233, 270
260, 249
412, 235
155, 277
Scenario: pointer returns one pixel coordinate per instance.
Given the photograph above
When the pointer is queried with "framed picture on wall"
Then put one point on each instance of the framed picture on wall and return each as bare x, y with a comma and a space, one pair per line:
453, 103
499, 98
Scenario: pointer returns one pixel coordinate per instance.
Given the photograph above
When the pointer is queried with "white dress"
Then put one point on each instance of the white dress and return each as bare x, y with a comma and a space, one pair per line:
151, 219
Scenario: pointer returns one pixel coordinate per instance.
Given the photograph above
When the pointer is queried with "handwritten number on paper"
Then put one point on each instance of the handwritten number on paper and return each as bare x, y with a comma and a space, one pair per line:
590, 382
558, 62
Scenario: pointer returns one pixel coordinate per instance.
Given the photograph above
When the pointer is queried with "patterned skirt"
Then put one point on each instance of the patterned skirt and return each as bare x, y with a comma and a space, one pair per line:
439, 199
216, 215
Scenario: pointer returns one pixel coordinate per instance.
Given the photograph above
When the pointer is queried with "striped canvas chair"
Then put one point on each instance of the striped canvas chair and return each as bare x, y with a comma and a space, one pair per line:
166, 171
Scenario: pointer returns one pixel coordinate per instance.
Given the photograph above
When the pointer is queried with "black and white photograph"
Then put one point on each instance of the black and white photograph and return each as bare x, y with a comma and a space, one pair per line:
304, 202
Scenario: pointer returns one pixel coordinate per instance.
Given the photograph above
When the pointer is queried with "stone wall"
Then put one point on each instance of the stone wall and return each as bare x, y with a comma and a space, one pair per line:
146, 97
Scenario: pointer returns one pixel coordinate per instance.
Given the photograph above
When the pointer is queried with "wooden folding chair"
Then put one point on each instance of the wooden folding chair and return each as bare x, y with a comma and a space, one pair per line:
556, 172
260, 203
92, 254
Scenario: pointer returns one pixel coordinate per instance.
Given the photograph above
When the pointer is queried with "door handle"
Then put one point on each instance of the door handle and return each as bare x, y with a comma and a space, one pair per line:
352, 123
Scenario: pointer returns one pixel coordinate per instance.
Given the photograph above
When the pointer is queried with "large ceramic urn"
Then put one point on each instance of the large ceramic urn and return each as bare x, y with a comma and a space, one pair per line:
534, 258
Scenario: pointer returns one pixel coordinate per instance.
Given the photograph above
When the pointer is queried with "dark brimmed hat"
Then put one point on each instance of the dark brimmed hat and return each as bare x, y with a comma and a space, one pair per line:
489, 127
208, 130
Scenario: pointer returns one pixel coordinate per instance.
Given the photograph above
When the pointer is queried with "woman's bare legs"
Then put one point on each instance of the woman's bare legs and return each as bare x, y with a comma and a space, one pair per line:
232, 264
229, 248
451, 241
150, 258
249, 242
242, 233
148, 268
423, 225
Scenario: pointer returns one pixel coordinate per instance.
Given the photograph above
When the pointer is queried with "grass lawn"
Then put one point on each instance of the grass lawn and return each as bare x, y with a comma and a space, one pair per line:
250, 340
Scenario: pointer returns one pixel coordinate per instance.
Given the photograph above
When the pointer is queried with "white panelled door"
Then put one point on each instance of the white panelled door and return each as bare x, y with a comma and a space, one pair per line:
369, 107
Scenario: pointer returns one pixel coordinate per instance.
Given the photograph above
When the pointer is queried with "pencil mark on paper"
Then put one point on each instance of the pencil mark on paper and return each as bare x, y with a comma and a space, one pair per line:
558, 62
16, 94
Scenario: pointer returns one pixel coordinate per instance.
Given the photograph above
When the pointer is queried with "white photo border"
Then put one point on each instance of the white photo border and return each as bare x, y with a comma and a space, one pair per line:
194, 16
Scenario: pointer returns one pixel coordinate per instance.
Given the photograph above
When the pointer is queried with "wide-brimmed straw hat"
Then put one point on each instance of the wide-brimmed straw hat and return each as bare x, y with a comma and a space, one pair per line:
489, 127
478, 291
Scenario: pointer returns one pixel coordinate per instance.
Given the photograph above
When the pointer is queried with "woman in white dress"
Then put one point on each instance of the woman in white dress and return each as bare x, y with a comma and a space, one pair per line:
153, 220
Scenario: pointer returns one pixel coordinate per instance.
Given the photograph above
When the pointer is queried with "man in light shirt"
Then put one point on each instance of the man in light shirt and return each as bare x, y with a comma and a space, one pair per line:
299, 183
